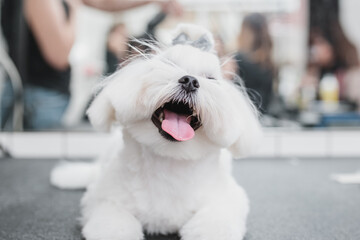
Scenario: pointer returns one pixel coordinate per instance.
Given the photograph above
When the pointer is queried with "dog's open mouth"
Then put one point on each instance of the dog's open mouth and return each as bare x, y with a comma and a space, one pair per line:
176, 121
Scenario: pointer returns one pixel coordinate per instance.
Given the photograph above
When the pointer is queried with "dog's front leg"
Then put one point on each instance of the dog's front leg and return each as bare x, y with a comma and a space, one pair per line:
222, 219
110, 222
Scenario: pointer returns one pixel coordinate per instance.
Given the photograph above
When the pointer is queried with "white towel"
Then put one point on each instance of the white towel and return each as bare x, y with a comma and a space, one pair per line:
347, 178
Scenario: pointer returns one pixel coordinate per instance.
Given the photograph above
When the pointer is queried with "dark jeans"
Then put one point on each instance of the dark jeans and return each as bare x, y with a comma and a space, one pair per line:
44, 108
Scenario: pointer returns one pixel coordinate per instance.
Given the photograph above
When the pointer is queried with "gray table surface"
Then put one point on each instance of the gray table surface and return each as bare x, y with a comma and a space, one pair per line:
290, 199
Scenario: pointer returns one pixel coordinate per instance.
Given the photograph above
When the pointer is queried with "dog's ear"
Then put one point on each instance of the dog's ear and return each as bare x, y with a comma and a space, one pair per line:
248, 141
249, 128
101, 112
231, 122
119, 98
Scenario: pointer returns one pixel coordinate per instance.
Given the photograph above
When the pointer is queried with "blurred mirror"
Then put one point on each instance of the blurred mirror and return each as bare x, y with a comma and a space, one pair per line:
298, 62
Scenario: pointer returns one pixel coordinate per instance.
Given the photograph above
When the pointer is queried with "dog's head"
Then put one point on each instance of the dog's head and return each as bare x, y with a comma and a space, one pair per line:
177, 104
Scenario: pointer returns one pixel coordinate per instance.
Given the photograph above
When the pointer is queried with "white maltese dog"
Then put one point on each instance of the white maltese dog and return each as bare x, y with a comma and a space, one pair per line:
171, 172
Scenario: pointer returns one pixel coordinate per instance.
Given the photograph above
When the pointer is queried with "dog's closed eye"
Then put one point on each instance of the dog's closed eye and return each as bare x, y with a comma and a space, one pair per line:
210, 77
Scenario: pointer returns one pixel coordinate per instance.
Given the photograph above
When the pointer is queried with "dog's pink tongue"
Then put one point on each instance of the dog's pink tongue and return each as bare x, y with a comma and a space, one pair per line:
177, 126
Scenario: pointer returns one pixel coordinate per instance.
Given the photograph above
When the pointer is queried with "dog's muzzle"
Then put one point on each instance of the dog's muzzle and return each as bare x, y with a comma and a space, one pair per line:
176, 121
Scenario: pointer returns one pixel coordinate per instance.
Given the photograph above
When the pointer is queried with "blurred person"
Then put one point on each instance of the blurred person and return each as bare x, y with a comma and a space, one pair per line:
254, 61
228, 65
40, 35
331, 52
116, 47
331, 56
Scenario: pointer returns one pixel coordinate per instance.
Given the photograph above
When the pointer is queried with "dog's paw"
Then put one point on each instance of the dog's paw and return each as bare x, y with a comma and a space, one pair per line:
109, 223
213, 225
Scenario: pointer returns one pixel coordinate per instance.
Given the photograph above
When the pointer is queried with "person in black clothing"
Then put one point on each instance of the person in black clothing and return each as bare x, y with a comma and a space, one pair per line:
254, 63
40, 35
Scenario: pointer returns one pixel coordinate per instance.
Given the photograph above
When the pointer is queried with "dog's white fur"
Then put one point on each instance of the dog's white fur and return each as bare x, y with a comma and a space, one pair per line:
148, 183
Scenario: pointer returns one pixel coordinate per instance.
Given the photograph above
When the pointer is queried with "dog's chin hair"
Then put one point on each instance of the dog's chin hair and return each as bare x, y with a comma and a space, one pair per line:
194, 150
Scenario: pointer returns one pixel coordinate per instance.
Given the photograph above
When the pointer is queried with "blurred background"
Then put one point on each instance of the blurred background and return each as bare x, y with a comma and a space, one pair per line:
299, 60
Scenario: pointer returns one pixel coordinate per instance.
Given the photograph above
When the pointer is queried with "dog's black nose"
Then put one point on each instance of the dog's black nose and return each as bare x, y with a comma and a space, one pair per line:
189, 83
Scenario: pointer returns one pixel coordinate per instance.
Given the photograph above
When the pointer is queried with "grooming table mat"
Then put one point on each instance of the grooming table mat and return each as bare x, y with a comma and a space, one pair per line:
290, 199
